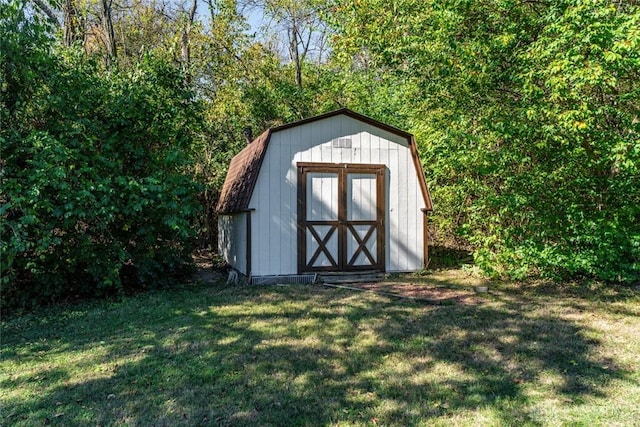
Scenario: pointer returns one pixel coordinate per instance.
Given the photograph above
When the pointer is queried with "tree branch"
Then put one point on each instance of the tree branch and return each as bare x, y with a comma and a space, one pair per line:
47, 11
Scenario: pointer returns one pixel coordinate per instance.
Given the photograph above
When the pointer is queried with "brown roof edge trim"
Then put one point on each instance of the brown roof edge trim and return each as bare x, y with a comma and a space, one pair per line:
420, 172
349, 113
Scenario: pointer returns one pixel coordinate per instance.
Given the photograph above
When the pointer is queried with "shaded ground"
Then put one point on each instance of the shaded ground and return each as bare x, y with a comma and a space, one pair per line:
209, 267
451, 256
446, 286
421, 292
211, 354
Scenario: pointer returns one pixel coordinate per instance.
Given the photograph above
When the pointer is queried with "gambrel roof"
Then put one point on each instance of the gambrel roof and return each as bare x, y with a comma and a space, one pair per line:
245, 166
242, 176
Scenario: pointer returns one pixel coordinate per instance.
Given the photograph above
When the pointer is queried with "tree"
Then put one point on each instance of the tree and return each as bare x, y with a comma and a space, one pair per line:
526, 112
305, 30
184, 40
108, 31
97, 194
73, 31
44, 7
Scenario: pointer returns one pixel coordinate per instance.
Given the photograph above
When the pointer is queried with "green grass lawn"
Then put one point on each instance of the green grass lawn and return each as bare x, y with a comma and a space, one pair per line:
309, 355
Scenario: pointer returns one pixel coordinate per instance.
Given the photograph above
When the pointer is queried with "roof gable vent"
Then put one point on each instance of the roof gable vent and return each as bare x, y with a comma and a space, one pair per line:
341, 143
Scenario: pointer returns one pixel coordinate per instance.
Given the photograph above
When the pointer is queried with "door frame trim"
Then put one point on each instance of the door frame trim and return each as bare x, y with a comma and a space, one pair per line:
342, 170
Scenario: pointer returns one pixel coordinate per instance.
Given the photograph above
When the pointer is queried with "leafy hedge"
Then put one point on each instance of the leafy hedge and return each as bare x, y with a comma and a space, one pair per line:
94, 197
529, 123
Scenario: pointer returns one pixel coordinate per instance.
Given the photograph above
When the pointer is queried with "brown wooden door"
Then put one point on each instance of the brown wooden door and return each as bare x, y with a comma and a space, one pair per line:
341, 214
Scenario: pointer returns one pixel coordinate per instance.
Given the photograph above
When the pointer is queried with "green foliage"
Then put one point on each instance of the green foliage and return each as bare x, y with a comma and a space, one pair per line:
528, 119
526, 113
95, 196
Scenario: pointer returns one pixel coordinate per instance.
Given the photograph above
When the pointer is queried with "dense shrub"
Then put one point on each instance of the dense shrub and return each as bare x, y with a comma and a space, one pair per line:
95, 197
529, 123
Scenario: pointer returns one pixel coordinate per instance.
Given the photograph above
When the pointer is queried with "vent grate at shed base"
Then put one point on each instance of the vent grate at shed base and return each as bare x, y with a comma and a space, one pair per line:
294, 279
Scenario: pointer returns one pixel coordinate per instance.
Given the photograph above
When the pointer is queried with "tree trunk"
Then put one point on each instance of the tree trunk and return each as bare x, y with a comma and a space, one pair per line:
47, 11
185, 48
295, 53
109, 33
72, 31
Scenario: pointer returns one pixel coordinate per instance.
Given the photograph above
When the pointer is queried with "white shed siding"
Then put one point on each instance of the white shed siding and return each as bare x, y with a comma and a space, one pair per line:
274, 246
232, 240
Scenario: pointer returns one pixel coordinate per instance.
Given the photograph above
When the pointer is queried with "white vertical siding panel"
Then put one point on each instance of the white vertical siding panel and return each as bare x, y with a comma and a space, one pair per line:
262, 214
256, 236
275, 196
385, 145
289, 210
419, 220
404, 237
350, 129
420, 226
232, 237
310, 133
240, 241
416, 203
324, 153
328, 154
364, 148
414, 229
274, 203
263, 228
284, 217
267, 226
288, 263
394, 206
339, 129
332, 155
336, 126
301, 137
272, 226
347, 156
387, 222
376, 157
380, 156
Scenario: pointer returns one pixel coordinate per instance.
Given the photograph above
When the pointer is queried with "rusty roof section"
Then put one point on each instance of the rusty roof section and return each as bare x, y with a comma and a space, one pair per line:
245, 166
242, 176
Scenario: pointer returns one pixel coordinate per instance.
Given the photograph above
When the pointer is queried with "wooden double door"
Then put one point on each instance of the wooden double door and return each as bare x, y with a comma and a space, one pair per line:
341, 215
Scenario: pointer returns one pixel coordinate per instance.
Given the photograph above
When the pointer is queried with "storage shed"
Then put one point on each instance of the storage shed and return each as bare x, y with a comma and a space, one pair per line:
335, 193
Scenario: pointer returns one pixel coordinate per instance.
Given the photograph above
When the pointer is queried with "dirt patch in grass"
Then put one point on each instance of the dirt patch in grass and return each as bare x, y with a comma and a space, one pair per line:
422, 292
210, 268
439, 287
213, 354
